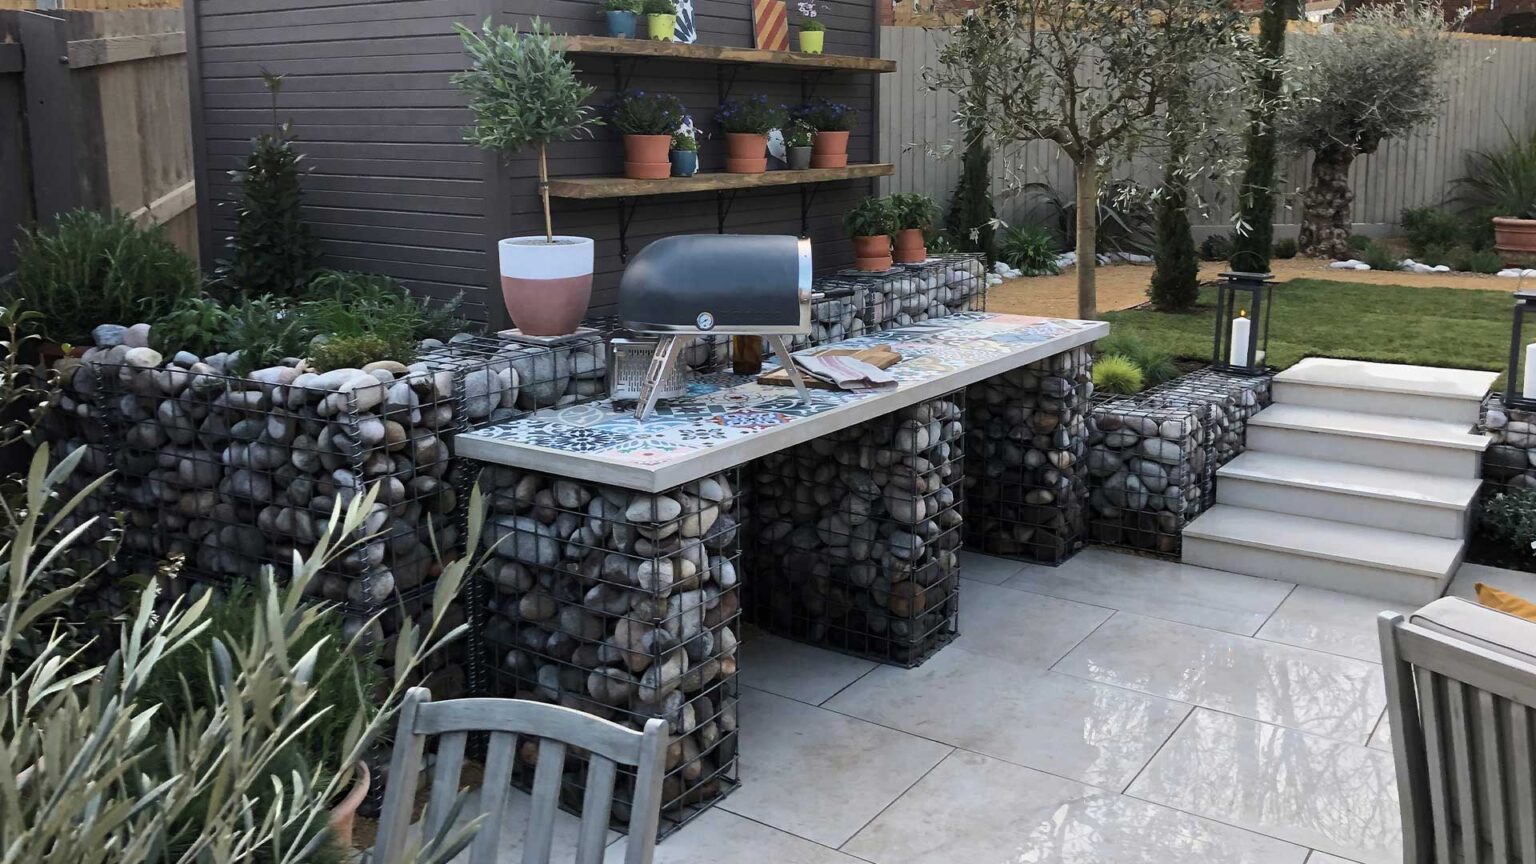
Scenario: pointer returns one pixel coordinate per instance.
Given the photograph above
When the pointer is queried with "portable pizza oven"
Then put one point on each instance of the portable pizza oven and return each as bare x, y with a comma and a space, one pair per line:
716, 284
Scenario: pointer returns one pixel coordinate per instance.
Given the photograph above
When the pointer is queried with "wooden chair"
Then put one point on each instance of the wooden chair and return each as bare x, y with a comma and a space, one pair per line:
608, 745
1461, 694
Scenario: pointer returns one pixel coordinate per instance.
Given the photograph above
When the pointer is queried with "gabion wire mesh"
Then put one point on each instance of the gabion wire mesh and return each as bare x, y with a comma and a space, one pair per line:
624, 605
856, 535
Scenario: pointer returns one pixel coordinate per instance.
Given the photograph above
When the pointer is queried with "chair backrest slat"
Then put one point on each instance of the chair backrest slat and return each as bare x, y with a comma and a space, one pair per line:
1490, 744
546, 798
1466, 794
555, 729
595, 807
499, 755
1522, 761
1433, 711
445, 780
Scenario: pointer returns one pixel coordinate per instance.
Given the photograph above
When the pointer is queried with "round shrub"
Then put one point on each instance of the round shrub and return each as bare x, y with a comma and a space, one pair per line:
1480, 261
1285, 248
1217, 247
1030, 249
1381, 258
1113, 373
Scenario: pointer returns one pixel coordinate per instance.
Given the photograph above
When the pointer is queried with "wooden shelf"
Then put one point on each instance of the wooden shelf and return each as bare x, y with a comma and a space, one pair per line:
721, 54
619, 187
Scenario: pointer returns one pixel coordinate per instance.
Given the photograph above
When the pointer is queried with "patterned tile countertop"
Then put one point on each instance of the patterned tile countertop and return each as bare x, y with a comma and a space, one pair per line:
727, 420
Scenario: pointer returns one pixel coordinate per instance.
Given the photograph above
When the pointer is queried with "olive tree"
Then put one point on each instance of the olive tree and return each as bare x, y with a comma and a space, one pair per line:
1374, 76
1093, 76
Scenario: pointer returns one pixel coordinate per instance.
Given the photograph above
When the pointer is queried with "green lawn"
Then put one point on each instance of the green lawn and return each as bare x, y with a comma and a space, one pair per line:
1317, 318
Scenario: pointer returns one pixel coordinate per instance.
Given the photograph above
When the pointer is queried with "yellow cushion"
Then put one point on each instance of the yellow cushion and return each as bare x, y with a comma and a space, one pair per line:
1504, 601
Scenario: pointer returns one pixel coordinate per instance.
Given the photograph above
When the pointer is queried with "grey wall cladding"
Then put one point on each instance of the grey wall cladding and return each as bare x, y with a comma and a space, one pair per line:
393, 189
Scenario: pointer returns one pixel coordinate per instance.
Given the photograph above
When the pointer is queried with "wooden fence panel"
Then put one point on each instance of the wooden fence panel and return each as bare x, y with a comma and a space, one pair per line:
1491, 92
94, 113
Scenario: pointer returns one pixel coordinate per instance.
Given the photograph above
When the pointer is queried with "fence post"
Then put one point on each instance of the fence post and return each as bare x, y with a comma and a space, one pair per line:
54, 139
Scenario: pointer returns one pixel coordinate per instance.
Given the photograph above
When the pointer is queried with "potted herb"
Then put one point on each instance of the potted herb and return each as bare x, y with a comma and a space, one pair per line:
915, 215
1501, 185
871, 223
647, 122
813, 33
524, 93
622, 17
832, 122
746, 125
661, 19
685, 152
798, 143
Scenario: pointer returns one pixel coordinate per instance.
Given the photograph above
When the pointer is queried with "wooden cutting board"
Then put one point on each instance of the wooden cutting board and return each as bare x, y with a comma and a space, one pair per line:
878, 356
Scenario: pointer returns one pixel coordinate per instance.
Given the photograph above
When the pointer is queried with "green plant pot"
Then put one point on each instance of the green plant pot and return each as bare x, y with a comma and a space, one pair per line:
661, 27
812, 41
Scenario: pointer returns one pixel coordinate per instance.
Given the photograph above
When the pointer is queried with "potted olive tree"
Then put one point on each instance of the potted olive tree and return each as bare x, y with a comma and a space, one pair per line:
524, 93
647, 121
915, 215
871, 223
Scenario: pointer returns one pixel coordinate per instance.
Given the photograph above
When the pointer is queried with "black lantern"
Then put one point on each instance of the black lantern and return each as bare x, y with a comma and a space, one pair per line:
1519, 385
1242, 323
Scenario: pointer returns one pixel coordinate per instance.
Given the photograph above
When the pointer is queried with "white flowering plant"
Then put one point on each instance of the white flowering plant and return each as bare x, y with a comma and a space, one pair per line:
809, 23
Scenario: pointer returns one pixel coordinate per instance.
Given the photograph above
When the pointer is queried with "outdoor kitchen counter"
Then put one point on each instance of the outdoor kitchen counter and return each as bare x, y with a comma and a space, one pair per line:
728, 420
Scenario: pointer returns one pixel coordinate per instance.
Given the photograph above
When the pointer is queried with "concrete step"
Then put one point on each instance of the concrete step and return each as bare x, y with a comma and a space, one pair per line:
1406, 443
1345, 492
1374, 562
1425, 392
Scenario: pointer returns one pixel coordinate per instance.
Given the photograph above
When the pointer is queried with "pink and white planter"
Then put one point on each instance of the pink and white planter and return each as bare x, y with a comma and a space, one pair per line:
546, 286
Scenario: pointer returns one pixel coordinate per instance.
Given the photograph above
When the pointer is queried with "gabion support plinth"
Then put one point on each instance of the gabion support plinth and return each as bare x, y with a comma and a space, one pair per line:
624, 605
1026, 478
856, 536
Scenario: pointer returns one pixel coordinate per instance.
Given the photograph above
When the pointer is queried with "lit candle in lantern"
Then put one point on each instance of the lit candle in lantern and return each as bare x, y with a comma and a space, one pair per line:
1238, 356
1529, 389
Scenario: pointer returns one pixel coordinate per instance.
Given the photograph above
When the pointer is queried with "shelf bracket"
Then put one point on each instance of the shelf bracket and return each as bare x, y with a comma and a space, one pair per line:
725, 79
807, 198
627, 208
723, 202
808, 81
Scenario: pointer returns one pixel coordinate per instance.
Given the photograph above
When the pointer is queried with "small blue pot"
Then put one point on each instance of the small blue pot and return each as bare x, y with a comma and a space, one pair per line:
685, 163
621, 24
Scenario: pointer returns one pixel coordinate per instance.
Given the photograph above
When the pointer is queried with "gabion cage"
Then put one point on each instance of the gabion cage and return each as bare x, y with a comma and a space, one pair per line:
1153, 457
506, 378
836, 315
624, 605
912, 293
1026, 481
856, 535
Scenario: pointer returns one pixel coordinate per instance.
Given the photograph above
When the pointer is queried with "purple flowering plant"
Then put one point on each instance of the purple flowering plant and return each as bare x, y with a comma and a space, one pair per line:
824, 115
635, 112
753, 116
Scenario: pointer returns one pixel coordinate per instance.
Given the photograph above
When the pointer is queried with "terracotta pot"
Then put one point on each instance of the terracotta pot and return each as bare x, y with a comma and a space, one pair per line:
872, 253
645, 156
344, 814
909, 246
746, 152
546, 286
829, 150
1514, 235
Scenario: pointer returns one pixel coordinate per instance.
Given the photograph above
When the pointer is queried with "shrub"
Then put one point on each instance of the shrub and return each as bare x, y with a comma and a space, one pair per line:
1435, 255
1478, 261
1285, 248
659, 7
1030, 249
356, 351
622, 6
824, 115
915, 210
1156, 365
1500, 182
941, 244
1511, 517
969, 223
198, 324
27, 389
753, 116
1126, 222
1216, 247
93, 268
267, 330
811, 25
1175, 284
1431, 227
1381, 258
353, 304
871, 218
1113, 373
1359, 242
634, 112
272, 251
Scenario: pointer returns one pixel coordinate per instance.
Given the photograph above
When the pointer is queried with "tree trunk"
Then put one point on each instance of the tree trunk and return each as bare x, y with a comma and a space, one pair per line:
1325, 222
1087, 236
549, 225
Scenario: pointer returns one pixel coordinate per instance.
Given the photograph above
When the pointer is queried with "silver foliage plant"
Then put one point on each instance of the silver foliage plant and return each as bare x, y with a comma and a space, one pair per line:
1378, 74
90, 775
1095, 77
